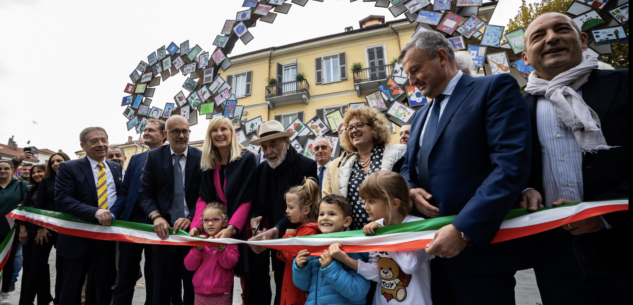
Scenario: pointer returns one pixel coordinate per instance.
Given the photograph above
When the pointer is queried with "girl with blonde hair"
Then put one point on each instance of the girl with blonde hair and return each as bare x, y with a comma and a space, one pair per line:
227, 171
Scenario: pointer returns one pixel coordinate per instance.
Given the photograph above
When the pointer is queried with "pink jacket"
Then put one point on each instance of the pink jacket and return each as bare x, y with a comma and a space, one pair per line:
213, 270
239, 217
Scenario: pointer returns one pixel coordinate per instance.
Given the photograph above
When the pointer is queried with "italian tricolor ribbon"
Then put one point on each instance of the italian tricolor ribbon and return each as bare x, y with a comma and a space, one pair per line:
406, 236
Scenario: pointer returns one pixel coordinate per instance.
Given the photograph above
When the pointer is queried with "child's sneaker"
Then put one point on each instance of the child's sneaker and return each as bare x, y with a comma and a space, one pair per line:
5, 298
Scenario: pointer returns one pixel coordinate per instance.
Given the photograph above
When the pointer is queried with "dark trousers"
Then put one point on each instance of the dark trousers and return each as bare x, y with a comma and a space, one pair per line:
100, 256
36, 280
490, 288
129, 265
168, 263
441, 290
9, 266
259, 267
571, 271
59, 279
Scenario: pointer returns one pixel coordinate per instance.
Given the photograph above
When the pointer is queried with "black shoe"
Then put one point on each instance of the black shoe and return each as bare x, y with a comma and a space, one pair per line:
12, 287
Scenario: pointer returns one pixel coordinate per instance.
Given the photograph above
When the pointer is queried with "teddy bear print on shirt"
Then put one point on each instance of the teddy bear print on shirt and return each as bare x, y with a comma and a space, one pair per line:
394, 281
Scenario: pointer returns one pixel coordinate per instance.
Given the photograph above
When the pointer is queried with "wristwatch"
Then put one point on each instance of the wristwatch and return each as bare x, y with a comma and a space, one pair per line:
156, 217
466, 238
234, 229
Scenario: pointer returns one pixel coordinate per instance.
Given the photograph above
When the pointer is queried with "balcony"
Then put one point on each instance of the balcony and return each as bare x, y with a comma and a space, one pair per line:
288, 93
368, 79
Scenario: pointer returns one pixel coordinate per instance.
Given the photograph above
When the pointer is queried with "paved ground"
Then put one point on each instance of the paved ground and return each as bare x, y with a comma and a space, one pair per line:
526, 291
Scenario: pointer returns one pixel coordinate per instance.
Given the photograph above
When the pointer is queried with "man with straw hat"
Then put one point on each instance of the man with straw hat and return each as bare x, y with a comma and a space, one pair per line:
283, 169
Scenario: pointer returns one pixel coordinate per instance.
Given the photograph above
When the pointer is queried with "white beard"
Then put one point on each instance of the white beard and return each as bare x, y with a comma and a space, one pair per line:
280, 159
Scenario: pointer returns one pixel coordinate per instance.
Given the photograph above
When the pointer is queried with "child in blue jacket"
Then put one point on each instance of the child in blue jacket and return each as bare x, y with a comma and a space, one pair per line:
328, 281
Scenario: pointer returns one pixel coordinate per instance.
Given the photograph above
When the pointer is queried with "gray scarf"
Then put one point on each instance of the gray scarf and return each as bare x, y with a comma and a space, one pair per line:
571, 110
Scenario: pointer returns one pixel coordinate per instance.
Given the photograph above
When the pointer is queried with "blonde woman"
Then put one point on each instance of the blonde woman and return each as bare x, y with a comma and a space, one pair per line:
366, 136
227, 171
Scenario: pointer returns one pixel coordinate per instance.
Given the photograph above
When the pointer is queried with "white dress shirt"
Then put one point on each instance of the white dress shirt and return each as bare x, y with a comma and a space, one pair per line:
562, 157
94, 165
183, 165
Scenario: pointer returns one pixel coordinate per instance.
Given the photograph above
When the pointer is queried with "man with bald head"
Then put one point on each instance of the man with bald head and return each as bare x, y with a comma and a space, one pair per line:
580, 122
168, 194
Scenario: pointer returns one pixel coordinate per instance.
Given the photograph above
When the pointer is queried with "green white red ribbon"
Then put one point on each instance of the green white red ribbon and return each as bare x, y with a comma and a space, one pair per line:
5, 249
406, 236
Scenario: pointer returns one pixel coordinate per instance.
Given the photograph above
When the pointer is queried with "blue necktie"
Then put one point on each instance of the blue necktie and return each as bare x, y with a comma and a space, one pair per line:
177, 204
427, 144
321, 170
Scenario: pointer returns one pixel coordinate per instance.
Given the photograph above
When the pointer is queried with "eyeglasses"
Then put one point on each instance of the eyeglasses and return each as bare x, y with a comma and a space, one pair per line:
177, 132
213, 220
357, 126
322, 147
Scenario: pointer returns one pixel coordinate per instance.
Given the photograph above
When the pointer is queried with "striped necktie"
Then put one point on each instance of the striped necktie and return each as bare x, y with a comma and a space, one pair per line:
102, 188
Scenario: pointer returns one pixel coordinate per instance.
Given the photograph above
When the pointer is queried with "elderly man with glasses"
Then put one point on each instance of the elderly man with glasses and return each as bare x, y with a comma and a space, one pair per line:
322, 152
168, 194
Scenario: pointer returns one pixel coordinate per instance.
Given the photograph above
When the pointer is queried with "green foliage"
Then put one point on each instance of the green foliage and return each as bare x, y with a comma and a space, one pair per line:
528, 12
271, 81
393, 61
356, 66
300, 76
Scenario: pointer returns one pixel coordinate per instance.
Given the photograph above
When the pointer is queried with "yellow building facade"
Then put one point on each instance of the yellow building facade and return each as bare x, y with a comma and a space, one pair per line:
326, 63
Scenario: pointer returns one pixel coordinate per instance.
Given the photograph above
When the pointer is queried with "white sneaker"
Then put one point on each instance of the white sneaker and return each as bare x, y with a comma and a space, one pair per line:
5, 298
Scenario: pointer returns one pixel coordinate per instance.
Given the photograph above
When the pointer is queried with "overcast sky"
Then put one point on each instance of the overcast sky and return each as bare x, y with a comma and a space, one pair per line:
65, 63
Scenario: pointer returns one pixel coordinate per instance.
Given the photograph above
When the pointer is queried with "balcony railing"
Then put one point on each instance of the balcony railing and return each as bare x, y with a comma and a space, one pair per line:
289, 88
373, 74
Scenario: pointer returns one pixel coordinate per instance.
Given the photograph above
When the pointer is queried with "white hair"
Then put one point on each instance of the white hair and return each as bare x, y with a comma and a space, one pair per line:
465, 62
323, 138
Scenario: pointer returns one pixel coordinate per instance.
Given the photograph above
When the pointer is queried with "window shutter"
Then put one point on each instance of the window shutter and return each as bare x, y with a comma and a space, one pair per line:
300, 116
344, 110
278, 118
319, 73
249, 82
342, 60
229, 80
380, 59
321, 114
280, 73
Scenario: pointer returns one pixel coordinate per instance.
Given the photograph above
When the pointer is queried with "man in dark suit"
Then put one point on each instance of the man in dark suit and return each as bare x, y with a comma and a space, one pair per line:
468, 155
585, 262
126, 208
87, 188
168, 194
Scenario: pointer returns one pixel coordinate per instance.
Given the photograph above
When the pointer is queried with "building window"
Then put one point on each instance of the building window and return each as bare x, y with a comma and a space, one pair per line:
331, 69
240, 85
330, 109
286, 119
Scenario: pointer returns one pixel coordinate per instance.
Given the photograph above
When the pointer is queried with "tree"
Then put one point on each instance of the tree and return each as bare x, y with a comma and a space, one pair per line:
528, 12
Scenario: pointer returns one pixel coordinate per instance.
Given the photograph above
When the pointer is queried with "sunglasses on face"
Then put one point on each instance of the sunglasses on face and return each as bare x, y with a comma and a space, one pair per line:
213, 220
322, 147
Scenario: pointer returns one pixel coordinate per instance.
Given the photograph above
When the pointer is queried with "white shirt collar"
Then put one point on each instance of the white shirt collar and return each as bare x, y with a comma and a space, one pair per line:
448, 91
184, 153
94, 164
326, 165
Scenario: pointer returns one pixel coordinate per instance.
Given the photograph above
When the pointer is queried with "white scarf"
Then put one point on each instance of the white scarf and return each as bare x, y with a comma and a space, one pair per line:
571, 110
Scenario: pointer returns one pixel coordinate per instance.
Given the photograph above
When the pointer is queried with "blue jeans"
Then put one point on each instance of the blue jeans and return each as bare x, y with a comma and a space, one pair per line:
571, 271
19, 259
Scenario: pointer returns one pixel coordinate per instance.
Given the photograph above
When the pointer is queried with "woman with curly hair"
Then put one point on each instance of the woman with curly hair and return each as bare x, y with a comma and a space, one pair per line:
366, 136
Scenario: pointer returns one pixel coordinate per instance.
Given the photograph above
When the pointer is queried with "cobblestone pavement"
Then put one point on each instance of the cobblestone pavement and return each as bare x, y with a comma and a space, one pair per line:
526, 290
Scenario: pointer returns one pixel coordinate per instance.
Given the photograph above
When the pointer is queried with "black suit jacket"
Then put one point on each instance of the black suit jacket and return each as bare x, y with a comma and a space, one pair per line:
76, 195
157, 181
605, 173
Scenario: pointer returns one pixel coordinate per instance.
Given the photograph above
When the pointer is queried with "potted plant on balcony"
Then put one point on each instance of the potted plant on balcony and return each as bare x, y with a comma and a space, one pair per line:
271, 82
299, 78
356, 67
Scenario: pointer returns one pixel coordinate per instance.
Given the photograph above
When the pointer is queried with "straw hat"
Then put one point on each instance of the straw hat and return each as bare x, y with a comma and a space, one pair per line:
272, 130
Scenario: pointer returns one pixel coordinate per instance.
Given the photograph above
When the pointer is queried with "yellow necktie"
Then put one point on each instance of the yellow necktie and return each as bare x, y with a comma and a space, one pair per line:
102, 188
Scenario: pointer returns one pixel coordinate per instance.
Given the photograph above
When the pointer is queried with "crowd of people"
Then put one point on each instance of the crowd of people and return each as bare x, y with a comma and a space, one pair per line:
478, 150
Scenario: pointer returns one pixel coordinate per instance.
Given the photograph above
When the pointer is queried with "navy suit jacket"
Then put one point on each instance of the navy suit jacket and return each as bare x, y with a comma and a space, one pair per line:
480, 160
157, 181
128, 196
76, 195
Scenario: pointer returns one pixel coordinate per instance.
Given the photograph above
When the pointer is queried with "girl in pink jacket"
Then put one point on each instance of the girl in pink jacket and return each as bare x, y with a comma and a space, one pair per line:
213, 266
